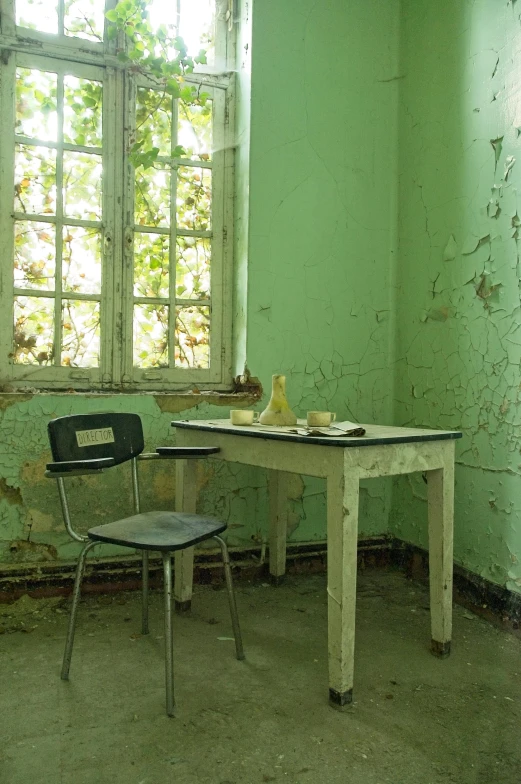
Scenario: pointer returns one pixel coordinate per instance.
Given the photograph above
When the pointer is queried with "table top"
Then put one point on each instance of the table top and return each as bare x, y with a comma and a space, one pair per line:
375, 435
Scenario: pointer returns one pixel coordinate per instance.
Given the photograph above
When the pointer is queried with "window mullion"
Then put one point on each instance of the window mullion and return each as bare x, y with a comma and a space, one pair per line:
7, 119
114, 233
223, 27
172, 265
7, 17
111, 225
61, 17
228, 206
59, 228
126, 310
220, 244
52, 220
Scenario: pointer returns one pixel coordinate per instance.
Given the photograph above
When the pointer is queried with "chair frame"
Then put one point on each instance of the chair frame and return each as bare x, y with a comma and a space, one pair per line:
55, 470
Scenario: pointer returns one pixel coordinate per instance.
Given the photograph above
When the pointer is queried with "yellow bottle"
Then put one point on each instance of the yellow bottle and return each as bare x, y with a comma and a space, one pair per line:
278, 411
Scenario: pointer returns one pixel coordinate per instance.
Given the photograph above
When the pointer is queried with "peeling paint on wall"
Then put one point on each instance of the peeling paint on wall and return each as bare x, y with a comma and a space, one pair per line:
22, 551
31, 526
320, 202
459, 141
11, 494
322, 294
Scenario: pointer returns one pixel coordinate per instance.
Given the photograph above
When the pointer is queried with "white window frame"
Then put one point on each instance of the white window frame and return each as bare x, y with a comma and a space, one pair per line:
28, 48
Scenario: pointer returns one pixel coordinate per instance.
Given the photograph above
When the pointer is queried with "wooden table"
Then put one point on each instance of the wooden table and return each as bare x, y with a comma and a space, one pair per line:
342, 462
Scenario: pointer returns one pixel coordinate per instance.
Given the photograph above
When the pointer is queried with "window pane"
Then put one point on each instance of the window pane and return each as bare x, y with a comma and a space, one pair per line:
82, 185
193, 199
151, 335
192, 337
80, 334
36, 114
153, 197
195, 22
34, 255
33, 330
82, 111
194, 130
151, 265
38, 15
84, 19
81, 260
35, 180
154, 119
193, 268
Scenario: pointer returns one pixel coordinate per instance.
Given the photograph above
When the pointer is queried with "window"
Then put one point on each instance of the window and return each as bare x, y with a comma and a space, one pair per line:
112, 276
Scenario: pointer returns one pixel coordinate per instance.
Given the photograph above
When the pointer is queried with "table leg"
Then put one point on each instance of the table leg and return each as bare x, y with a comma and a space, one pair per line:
441, 516
342, 537
185, 501
278, 499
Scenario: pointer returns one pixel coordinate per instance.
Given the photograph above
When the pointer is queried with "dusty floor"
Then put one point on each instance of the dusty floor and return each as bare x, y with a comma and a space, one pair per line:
415, 719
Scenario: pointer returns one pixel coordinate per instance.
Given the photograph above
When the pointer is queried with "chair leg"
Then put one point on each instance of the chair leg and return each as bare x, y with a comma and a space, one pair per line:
80, 568
169, 635
144, 599
231, 598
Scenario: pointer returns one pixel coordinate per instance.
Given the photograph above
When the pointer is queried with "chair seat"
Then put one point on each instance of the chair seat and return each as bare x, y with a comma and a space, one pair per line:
158, 530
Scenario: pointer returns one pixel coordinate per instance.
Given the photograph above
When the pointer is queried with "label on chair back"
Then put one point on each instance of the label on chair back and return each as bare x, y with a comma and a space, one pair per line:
103, 435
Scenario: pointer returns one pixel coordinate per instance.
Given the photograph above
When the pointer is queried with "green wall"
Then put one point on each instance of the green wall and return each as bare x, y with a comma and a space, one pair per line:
322, 216
31, 528
458, 282
377, 267
312, 293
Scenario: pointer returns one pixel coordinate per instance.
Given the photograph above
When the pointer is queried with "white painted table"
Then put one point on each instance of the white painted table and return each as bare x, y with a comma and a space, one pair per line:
342, 462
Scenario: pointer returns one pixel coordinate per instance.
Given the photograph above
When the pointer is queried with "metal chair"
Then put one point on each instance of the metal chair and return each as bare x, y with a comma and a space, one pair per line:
90, 443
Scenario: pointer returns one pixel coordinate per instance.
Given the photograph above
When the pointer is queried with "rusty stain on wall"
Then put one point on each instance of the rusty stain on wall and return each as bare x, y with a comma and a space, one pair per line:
22, 551
7, 400
175, 404
11, 494
38, 522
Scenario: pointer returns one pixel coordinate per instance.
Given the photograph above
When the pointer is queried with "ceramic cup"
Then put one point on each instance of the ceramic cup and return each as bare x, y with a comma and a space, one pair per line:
240, 417
320, 418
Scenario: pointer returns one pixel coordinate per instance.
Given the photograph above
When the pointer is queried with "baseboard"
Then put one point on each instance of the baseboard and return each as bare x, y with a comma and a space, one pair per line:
55, 578
104, 575
485, 598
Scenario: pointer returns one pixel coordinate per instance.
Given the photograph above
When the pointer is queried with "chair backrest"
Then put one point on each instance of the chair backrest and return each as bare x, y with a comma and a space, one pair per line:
91, 436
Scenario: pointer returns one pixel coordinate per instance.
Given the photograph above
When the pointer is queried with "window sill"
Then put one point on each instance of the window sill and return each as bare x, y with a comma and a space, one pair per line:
240, 395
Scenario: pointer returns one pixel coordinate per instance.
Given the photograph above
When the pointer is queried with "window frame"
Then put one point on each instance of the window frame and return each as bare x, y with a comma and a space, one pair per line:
116, 371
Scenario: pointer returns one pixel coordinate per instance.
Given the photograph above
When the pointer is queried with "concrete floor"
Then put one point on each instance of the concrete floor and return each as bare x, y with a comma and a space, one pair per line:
415, 719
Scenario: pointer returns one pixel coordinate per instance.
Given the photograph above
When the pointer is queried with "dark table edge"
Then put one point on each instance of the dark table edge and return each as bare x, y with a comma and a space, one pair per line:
328, 441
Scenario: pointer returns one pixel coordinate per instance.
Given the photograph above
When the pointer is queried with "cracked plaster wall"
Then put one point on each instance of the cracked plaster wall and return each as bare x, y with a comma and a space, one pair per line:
312, 296
31, 527
322, 217
459, 273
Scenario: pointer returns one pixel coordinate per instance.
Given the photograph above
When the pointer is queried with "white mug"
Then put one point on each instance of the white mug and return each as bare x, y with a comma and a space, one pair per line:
320, 418
240, 417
